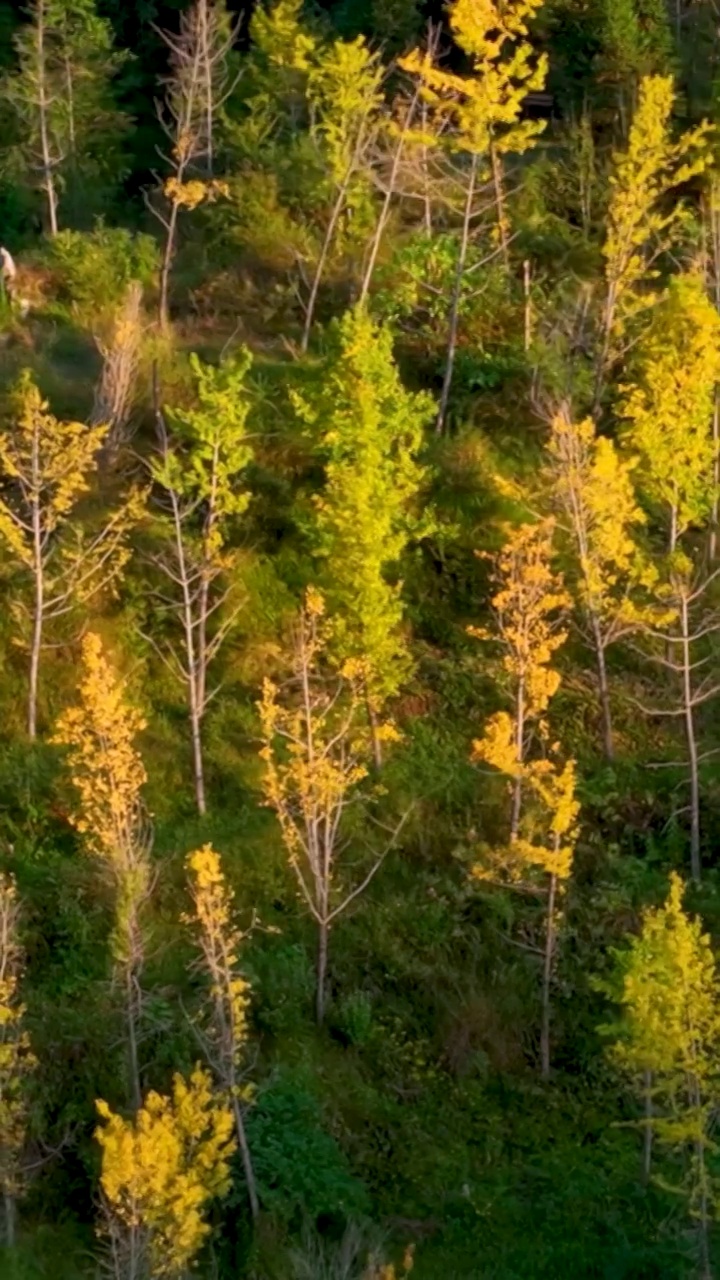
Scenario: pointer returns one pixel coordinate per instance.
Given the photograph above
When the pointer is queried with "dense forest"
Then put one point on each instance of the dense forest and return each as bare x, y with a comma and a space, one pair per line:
360, 640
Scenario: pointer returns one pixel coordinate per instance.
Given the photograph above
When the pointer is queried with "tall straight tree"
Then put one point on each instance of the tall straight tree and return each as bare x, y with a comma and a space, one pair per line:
198, 473
315, 750
639, 223
529, 605
666, 985
668, 405
369, 432
67, 125
47, 467
108, 776
344, 99
485, 109
592, 489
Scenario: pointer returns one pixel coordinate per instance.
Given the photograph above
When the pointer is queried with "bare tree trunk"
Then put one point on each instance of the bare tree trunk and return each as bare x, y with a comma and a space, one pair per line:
132, 1018
10, 1217
168, 255
520, 753
712, 545
373, 722
43, 106
385, 211
457, 298
648, 1133
38, 616
499, 189
528, 305
427, 202
246, 1159
322, 952
604, 692
320, 269
547, 977
695, 869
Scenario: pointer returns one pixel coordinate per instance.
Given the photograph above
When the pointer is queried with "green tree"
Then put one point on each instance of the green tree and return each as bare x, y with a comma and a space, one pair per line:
668, 1041
66, 124
199, 469
369, 431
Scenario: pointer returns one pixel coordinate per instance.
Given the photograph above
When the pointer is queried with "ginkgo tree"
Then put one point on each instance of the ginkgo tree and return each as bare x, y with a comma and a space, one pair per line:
592, 488
159, 1172
668, 403
529, 605
199, 473
368, 430
226, 1031
640, 223
47, 466
108, 777
485, 109
315, 752
667, 1040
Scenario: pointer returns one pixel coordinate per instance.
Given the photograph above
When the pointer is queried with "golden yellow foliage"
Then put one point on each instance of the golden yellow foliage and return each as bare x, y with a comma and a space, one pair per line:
106, 767
194, 192
530, 598
637, 222
486, 105
160, 1170
220, 940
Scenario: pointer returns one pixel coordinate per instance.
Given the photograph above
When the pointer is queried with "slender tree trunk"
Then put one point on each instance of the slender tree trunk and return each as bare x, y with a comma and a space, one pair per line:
246, 1158
516, 805
499, 189
132, 1018
10, 1216
322, 953
38, 616
168, 255
43, 107
703, 1216
695, 869
373, 722
457, 299
712, 545
604, 692
528, 305
320, 268
385, 211
547, 977
648, 1133
427, 203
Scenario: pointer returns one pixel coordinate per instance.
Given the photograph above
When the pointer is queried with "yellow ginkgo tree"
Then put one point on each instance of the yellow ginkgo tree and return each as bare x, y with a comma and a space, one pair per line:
159, 1172
316, 749
591, 486
226, 1031
484, 108
108, 776
529, 606
46, 466
667, 1040
668, 403
639, 220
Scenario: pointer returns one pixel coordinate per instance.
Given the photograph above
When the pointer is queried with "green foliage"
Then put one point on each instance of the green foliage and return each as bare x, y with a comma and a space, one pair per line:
93, 269
301, 1172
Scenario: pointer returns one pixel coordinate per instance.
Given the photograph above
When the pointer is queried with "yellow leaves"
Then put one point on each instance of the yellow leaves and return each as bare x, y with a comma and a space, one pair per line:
668, 406
650, 167
106, 768
498, 745
527, 605
344, 89
219, 941
160, 1170
593, 488
486, 105
190, 194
